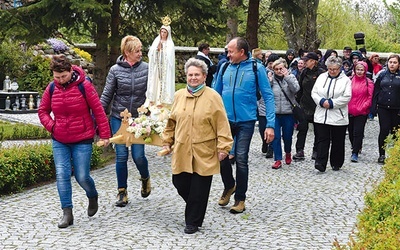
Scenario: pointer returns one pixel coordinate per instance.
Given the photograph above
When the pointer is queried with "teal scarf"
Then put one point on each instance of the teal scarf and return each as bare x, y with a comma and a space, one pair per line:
194, 90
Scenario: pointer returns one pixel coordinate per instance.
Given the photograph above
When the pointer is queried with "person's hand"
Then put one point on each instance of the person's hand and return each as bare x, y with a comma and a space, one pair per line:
326, 104
103, 142
269, 135
222, 155
285, 71
270, 76
106, 142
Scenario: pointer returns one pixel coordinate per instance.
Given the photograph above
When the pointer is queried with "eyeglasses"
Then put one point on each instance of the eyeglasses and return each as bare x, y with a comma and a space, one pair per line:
333, 69
278, 69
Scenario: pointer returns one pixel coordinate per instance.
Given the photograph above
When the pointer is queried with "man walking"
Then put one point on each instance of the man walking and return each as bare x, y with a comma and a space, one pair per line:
238, 86
202, 54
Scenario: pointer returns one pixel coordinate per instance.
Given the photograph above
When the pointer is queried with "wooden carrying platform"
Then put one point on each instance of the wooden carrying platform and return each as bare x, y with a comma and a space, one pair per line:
124, 137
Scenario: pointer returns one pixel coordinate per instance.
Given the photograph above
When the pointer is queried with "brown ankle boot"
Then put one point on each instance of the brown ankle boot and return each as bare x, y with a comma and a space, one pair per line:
146, 187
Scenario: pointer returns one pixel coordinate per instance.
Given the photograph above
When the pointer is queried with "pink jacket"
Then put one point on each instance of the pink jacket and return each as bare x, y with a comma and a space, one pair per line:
72, 120
362, 89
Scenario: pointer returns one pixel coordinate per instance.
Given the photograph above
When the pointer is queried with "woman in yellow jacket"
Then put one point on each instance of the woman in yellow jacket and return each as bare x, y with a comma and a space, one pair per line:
198, 129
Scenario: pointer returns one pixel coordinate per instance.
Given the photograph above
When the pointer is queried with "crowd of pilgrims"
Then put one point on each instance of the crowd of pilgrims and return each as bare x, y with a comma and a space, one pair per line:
338, 94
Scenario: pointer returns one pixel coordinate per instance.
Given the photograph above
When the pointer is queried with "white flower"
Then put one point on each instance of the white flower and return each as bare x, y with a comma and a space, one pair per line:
146, 125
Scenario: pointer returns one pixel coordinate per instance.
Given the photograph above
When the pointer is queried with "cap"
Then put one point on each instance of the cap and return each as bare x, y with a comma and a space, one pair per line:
347, 48
310, 55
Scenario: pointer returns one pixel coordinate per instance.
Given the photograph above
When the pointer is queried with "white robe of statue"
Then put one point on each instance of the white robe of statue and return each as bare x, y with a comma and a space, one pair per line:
161, 78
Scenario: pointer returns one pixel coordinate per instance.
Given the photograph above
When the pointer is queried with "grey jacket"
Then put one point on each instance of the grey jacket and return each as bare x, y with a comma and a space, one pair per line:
126, 87
290, 86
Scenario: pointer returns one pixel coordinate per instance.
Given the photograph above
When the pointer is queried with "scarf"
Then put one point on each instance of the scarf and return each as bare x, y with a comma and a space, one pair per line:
192, 90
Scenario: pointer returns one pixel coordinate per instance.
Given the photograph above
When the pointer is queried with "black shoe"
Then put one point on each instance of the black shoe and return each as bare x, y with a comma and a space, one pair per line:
381, 159
270, 151
335, 168
319, 167
189, 229
299, 156
314, 155
264, 147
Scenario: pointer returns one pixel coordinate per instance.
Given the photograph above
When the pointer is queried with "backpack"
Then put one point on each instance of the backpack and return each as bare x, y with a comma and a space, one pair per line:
83, 92
255, 74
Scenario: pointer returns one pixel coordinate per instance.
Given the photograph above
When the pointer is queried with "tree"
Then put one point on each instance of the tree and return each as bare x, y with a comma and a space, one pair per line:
299, 22
108, 21
252, 23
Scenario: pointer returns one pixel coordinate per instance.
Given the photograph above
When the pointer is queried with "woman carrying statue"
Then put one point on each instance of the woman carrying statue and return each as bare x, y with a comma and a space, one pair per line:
161, 78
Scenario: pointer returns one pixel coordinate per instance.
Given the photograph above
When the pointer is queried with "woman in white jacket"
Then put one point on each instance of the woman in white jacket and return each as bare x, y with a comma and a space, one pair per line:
331, 93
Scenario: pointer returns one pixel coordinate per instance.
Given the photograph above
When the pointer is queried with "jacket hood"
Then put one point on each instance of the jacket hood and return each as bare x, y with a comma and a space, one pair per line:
364, 64
290, 51
121, 62
80, 77
356, 53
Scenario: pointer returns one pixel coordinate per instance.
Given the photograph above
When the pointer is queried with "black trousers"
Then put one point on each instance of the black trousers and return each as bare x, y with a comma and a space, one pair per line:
302, 128
330, 137
356, 131
195, 190
389, 121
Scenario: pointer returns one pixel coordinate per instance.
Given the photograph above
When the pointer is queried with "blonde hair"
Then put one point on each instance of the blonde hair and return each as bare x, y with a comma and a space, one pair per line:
256, 52
279, 61
129, 44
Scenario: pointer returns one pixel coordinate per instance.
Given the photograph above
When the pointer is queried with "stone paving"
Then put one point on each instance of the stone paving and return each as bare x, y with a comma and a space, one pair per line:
295, 207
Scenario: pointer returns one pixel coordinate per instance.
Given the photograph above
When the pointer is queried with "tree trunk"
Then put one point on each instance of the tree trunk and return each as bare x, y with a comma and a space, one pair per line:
101, 58
232, 21
252, 23
299, 23
115, 36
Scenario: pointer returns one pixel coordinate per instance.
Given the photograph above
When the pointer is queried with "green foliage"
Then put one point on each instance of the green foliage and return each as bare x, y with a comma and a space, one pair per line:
13, 59
37, 74
379, 223
338, 20
85, 55
18, 131
22, 167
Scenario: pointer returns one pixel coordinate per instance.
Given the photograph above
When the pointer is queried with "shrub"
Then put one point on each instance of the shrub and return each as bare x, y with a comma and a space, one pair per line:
21, 167
37, 75
378, 224
85, 55
13, 60
18, 131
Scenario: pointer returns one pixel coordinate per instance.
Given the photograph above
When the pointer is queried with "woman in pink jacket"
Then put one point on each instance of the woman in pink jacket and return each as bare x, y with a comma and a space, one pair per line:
72, 100
360, 103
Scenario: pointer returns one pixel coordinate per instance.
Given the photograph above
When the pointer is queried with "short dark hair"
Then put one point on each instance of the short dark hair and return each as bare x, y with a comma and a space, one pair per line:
241, 43
60, 63
203, 46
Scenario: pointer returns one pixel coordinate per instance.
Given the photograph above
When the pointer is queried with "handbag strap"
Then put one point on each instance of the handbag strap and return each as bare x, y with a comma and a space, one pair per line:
284, 93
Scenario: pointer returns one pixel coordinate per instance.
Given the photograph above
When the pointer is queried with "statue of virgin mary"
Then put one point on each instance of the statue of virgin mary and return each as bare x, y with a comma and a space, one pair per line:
161, 78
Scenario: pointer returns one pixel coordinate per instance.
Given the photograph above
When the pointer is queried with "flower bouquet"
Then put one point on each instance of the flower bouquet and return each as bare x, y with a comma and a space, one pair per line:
145, 129
150, 124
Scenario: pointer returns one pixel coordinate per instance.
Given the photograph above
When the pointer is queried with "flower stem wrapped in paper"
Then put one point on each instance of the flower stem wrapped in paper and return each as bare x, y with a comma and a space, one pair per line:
144, 129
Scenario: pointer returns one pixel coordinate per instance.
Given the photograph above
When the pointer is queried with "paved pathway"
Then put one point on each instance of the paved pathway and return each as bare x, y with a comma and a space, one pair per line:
295, 207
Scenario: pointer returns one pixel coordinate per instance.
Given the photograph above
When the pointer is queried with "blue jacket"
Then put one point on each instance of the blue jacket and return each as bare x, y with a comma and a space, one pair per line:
238, 89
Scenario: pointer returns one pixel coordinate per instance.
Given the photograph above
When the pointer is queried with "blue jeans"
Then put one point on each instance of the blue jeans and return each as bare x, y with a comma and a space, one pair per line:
66, 156
284, 127
243, 132
121, 161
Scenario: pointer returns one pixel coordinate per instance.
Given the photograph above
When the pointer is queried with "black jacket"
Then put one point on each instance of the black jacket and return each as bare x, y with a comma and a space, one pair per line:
211, 69
307, 81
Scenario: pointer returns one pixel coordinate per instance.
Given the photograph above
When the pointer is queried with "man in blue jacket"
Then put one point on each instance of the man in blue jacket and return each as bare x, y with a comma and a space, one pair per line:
238, 86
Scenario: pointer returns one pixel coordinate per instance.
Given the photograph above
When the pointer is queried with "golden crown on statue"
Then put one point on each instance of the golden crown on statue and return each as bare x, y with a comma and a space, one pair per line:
166, 20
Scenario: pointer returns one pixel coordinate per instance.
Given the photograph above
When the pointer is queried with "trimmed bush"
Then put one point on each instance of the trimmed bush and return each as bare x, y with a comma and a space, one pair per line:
22, 167
378, 224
